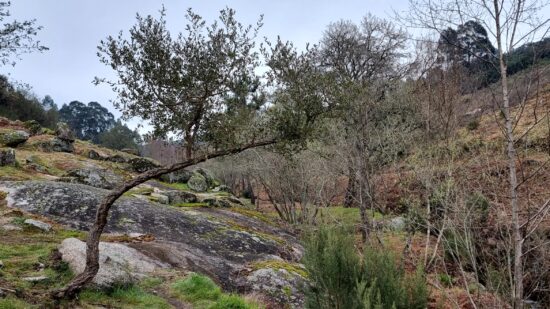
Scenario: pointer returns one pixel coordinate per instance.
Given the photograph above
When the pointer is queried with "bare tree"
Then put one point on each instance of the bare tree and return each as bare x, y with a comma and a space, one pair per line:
510, 23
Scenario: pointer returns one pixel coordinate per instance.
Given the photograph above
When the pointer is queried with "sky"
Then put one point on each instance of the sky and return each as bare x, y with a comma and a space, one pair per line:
73, 29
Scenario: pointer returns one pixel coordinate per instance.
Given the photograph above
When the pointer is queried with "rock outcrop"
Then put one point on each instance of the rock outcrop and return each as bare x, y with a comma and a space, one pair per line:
95, 177
214, 241
118, 263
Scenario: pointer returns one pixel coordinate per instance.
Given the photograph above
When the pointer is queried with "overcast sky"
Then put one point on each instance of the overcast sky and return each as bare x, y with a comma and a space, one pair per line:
73, 29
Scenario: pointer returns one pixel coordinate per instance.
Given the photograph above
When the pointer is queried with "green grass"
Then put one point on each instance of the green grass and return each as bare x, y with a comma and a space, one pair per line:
200, 204
277, 264
177, 186
123, 297
13, 303
203, 293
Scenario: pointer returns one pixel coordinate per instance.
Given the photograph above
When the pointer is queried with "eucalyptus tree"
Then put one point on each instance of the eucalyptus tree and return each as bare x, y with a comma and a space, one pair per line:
203, 87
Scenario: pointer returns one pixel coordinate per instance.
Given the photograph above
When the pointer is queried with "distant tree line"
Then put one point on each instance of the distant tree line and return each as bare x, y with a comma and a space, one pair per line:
90, 122
468, 47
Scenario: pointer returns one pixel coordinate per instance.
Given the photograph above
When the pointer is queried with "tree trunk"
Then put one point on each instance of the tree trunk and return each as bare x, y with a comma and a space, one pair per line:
351, 189
511, 153
92, 243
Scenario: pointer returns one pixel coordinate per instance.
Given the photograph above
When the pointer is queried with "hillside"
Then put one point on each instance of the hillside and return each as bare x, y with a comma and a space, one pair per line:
161, 230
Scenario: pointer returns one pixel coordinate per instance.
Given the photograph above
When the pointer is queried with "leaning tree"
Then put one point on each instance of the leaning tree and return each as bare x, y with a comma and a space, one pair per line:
203, 86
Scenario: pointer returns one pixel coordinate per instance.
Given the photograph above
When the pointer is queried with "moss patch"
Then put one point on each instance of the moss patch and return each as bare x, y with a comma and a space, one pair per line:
123, 297
278, 264
199, 204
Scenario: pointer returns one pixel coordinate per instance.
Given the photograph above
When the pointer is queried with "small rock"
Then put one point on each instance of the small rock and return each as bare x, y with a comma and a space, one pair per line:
58, 144
94, 155
221, 188
64, 132
1, 264
7, 157
163, 199
116, 158
397, 223
176, 197
2, 293
39, 224
36, 279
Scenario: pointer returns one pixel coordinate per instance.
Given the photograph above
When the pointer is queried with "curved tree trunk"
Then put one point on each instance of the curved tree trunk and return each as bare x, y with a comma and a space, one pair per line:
92, 243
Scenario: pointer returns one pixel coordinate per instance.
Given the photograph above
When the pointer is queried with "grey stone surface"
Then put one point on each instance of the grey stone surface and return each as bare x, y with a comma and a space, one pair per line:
118, 263
95, 177
39, 224
197, 183
12, 138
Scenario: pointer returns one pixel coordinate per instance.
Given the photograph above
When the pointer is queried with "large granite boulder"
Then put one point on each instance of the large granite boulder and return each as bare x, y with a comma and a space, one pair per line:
208, 176
141, 165
197, 183
181, 176
12, 138
95, 177
118, 263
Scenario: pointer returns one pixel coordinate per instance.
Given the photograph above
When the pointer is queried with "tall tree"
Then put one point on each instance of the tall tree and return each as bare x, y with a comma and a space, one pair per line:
120, 137
87, 121
365, 61
181, 84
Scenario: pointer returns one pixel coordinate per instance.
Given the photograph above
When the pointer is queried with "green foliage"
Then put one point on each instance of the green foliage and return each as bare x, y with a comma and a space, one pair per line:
446, 280
126, 297
333, 268
18, 103
202, 292
13, 303
473, 125
340, 279
87, 121
120, 137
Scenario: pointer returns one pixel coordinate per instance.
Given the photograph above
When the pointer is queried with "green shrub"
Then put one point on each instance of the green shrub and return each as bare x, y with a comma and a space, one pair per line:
472, 125
333, 268
340, 279
445, 279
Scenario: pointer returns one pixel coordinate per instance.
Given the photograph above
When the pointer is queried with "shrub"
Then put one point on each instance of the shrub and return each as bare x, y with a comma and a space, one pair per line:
340, 279
472, 125
445, 279
333, 268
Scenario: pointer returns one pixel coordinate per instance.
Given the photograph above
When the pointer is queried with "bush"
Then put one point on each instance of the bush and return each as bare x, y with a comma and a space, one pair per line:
340, 279
333, 268
473, 125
